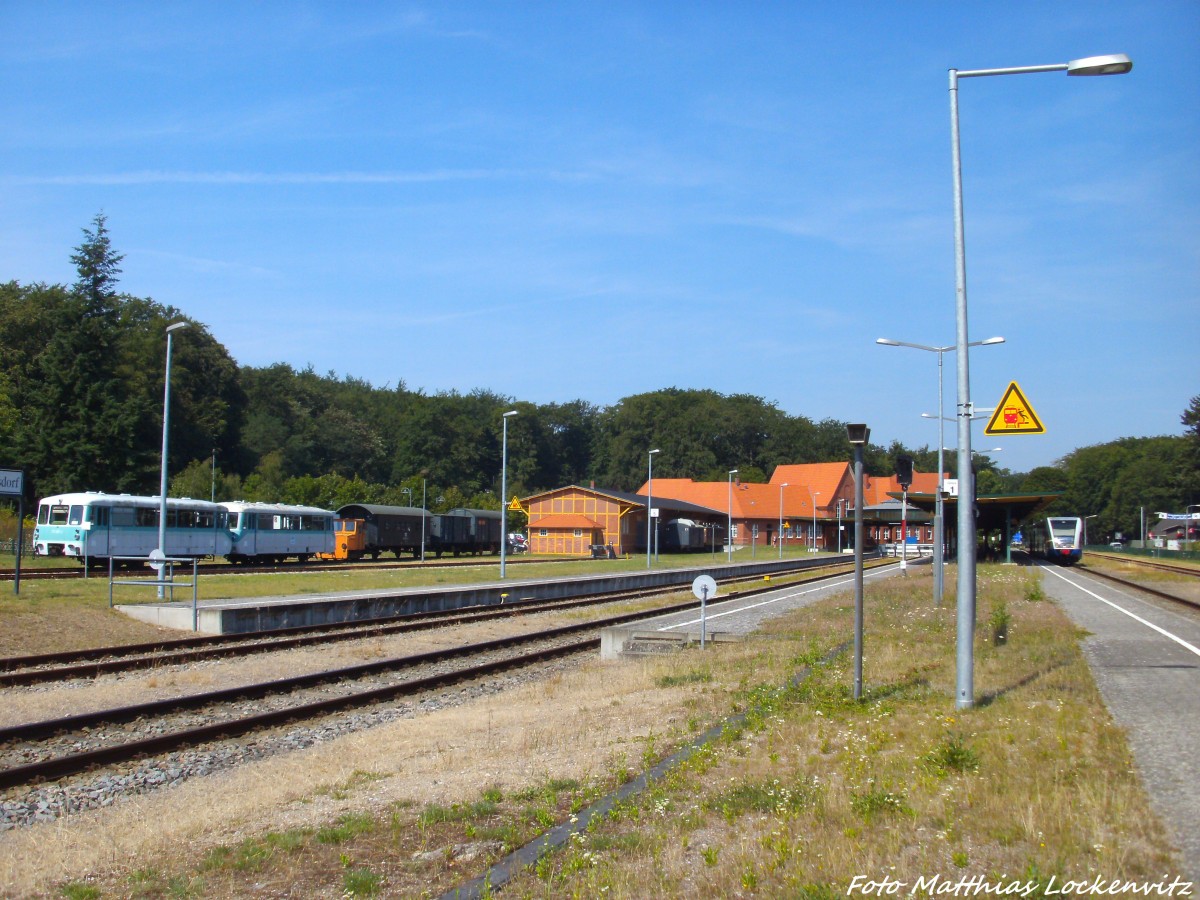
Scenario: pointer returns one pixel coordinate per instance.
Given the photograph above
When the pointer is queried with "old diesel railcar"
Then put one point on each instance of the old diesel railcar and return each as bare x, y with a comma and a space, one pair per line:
389, 529
94, 527
272, 532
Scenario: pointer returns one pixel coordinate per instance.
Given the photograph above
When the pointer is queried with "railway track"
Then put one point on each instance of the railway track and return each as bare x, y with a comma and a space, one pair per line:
1155, 564
59, 747
225, 568
1140, 586
92, 662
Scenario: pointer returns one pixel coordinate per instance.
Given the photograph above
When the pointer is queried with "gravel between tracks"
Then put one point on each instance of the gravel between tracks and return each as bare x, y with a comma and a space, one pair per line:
581, 718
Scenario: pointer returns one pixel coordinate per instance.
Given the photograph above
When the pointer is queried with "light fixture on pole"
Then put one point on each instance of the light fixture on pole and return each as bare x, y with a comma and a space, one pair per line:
1114, 64
504, 490
162, 485
729, 521
858, 435
1085, 518
650, 523
780, 538
814, 528
939, 527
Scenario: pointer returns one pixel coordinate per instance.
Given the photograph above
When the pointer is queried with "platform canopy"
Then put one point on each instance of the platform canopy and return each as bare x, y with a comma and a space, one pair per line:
995, 511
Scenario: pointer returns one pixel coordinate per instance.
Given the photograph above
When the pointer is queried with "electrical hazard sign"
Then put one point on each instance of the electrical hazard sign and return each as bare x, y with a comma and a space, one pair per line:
1014, 415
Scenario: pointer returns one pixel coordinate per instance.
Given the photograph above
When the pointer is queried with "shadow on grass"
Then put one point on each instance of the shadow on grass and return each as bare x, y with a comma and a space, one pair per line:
988, 699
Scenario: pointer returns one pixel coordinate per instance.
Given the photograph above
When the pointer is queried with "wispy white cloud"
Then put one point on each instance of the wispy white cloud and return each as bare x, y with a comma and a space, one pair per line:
263, 178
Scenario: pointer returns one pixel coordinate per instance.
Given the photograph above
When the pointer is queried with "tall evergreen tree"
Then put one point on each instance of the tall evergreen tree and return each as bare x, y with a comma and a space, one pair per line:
84, 421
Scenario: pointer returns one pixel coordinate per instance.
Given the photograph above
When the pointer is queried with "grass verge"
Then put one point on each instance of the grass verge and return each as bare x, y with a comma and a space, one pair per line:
810, 796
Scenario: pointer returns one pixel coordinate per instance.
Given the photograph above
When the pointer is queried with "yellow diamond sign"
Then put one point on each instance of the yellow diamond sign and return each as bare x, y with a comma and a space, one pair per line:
1014, 415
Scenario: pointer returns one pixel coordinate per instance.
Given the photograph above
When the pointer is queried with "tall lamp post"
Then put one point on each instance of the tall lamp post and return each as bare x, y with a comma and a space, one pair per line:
650, 503
1085, 518
162, 485
939, 534
729, 521
814, 503
1114, 64
858, 435
781, 487
504, 490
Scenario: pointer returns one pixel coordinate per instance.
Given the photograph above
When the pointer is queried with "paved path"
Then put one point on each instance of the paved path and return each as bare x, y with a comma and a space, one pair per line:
1146, 661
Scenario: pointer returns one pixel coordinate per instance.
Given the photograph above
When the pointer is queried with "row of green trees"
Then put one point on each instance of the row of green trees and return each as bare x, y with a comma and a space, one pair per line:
81, 386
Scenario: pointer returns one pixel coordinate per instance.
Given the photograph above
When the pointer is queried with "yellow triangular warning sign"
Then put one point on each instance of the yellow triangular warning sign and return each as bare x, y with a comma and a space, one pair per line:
1014, 415
516, 505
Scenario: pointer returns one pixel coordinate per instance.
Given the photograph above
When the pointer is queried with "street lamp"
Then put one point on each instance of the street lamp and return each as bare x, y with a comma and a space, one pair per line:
504, 490
650, 503
781, 487
939, 544
814, 503
858, 435
729, 524
1085, 518
1114, 64
410, 497
162, 489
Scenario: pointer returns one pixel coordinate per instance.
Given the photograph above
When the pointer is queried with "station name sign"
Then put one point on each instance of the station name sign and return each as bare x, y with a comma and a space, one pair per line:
12, 482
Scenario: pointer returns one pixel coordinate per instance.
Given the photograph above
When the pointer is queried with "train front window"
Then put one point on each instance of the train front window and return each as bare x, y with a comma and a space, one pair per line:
54, 514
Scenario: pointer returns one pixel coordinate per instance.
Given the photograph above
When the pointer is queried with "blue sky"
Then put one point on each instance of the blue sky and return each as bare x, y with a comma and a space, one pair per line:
560, 201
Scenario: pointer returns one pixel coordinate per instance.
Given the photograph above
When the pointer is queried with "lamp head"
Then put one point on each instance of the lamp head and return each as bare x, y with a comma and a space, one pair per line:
176, 327
1112, 64
990, 341
652, 452
509, 414
887, 341
858, 434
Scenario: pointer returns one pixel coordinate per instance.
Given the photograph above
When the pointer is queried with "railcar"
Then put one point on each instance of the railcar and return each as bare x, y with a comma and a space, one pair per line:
272, 532
95, 527
384, 529
682, 536
349, 540
1056, 538
471, 531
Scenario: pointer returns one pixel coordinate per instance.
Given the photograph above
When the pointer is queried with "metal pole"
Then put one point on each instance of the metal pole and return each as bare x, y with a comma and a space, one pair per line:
423, 514
504, 490
213, 496
649, 503
21, 540
858, 570
779, 538
904, 533
939, 528
729, 532
162, 490
1113, 64
814, 527
965, 651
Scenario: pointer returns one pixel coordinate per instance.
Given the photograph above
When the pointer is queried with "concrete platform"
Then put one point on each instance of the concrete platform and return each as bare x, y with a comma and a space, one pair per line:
271, 613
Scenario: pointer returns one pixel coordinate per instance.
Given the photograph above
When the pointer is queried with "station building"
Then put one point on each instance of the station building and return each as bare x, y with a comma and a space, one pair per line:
809, 505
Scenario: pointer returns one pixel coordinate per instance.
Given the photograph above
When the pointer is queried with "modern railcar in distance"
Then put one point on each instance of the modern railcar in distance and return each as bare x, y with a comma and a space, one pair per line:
94, 527
1056, 538
272, 532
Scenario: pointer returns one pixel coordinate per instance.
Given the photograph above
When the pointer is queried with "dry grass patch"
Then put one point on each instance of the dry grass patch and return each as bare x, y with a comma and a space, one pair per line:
1033, 782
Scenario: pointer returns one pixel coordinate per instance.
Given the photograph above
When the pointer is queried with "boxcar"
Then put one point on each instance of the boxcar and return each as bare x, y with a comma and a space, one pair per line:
271, 532
94, 527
